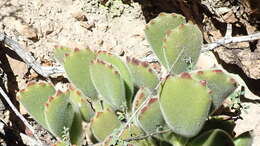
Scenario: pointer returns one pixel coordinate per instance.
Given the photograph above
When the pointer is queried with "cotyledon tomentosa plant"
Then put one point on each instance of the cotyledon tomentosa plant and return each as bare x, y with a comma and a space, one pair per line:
107, 90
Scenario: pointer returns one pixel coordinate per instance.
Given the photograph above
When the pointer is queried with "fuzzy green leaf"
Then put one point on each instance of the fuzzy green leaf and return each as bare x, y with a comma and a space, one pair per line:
81, 105
184, 41
156, 29
184, 111
108, 83
220, 84
60, 52
76, 65
144, 76
123, 70
33, 99
103, 124
60, 115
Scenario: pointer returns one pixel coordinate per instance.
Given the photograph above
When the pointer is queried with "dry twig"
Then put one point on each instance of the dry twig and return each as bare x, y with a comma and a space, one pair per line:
228, 39
28, 58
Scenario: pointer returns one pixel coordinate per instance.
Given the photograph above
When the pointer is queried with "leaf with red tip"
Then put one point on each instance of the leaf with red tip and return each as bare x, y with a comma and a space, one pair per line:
140, 97
33, 99
60, 114
123, 70
182, 47
185, 105
109, 84
185, 75
143, 75
156, 29
220, 84
150, 118
61, 52
77, 68
81, 105
103, 124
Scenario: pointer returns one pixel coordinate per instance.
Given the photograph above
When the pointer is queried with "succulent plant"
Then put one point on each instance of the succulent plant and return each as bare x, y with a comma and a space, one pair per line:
144, 76
140, 97
59, 113
156, 29
150, 118
103, 124
176, 49
56, 110
60, 144
220, 123
108, 84
60, 52
81, 104
173, 41
123, 70
130, 132
80, 77
34, 98
182, 120
109, 92
220, 84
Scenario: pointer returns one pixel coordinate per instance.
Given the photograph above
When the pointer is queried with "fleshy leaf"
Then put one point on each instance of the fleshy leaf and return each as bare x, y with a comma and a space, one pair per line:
143, 74
76, 65
156, 29
33, 99
123, 70
220, 84
182, 47
60, 116
103, 124
108, 83
244, 139
60, 52
184, 112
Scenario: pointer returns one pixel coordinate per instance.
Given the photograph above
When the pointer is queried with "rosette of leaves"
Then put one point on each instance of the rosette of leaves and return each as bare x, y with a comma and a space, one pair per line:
108, 91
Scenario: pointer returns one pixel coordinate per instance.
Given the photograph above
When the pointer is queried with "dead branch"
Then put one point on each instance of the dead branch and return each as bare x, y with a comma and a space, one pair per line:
121, 130
228, 39
28, 58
